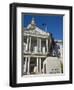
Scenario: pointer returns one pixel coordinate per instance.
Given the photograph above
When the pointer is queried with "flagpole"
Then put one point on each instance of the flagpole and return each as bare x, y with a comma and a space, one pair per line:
45, 27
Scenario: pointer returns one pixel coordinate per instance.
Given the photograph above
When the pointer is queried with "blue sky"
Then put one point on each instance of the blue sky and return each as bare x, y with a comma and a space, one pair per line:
54, 24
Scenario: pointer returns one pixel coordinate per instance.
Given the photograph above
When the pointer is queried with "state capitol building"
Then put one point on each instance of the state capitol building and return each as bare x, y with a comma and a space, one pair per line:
38, 51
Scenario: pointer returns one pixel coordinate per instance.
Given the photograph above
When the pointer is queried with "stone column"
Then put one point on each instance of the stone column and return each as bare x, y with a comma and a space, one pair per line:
40, 65
40, 44
27, 43
37, 44
37, 65
46, 45
25, 66
28, 66
30, 44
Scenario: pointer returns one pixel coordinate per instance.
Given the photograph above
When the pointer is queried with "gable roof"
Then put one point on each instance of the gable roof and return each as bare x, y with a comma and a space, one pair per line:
37, 30
32, 28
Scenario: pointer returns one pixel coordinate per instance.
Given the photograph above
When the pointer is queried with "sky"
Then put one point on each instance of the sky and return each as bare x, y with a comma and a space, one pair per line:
54, 24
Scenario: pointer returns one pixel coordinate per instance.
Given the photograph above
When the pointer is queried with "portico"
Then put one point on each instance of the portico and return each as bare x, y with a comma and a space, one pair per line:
33, 65
36, 44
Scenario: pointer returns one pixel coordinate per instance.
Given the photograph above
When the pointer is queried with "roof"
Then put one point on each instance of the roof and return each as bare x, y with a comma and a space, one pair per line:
32, 28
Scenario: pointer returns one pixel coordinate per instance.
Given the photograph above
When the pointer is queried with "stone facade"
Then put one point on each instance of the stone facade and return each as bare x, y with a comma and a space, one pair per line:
36, 48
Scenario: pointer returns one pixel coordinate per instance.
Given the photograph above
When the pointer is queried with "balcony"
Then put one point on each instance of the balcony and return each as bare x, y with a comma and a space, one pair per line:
33, 45
35, 50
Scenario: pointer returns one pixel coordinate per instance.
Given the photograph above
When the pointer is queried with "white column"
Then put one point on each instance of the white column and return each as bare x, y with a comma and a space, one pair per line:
37, 64
37, 44
47, 45
30, 45
40, 65
25, 66
27, 43
40, 44
28, 68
